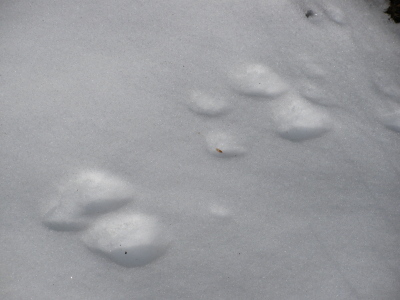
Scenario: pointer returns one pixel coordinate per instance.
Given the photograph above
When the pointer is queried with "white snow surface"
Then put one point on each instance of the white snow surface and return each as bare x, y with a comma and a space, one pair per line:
199, 150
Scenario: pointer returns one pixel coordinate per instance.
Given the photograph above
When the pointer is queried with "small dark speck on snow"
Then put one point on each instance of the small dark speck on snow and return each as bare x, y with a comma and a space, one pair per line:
309, 13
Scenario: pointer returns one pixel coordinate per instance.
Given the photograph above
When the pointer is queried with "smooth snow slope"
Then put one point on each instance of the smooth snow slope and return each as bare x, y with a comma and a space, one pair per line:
199, 150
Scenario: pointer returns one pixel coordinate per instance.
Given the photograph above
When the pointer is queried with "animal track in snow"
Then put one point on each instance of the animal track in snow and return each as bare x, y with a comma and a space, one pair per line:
129, 240
295, 118
88, 193
257, 80
298, 120
206, 104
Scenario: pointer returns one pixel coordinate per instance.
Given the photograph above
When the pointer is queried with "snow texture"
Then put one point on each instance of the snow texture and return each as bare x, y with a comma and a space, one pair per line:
199, 150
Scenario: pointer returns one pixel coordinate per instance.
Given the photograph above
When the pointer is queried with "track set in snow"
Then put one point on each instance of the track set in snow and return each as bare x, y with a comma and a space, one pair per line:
200, 150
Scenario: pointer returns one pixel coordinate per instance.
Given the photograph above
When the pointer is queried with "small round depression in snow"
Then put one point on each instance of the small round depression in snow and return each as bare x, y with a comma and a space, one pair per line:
131, 240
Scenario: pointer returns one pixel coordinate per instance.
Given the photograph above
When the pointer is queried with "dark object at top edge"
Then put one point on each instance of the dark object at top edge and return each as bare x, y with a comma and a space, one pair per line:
394, 10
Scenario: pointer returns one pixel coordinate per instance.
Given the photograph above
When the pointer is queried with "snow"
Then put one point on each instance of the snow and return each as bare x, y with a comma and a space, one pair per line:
208, 105
256, 80
199, 150
89, 193
132, 240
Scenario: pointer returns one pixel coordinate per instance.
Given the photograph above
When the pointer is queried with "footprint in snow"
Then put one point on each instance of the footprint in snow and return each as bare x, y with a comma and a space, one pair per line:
130, 240
85, 195
86, 202
296, 119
